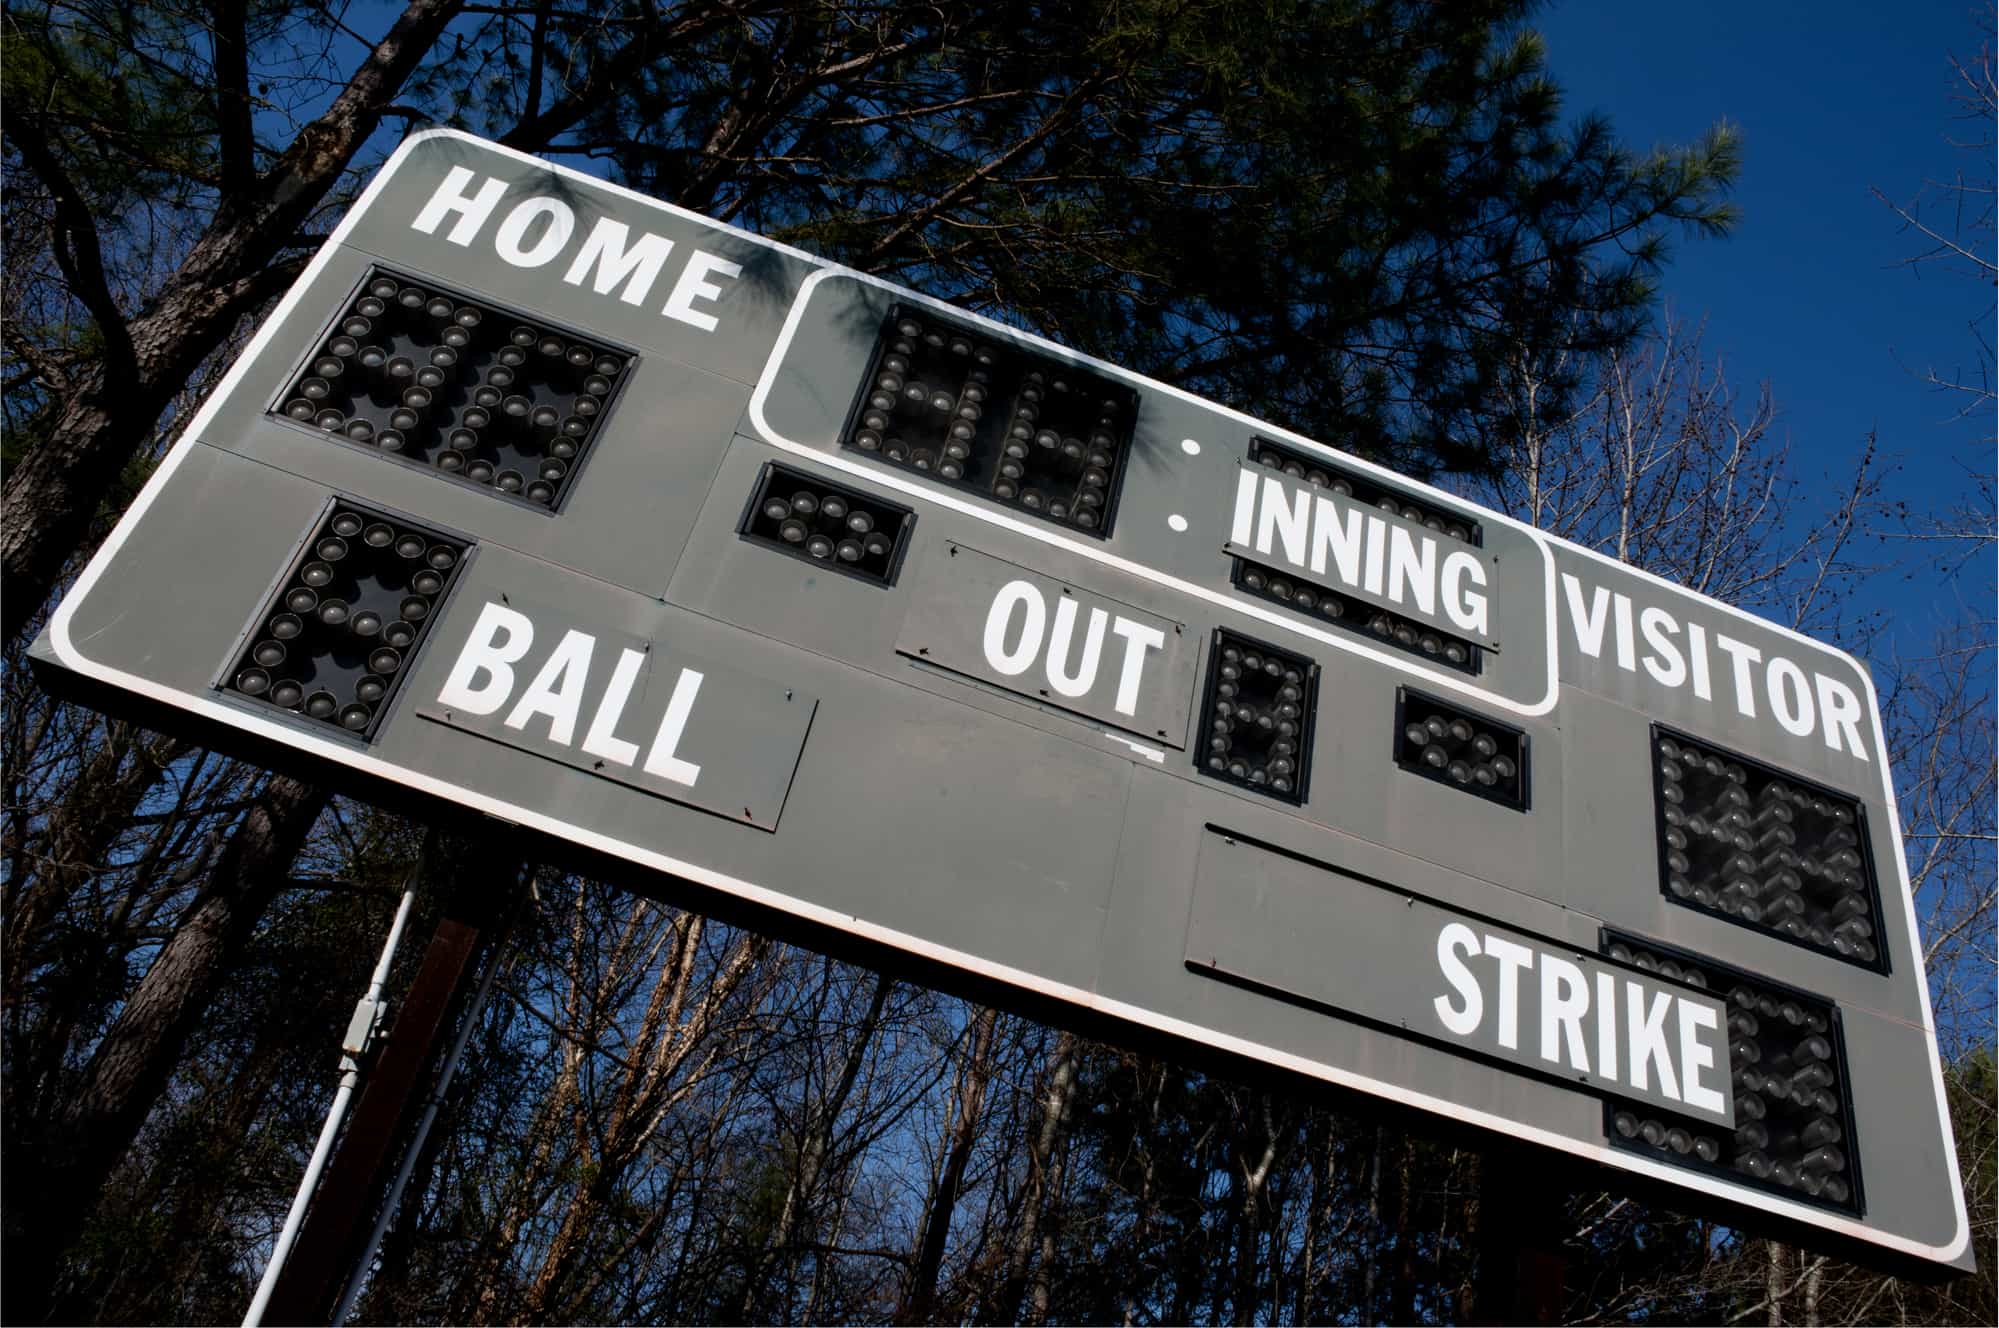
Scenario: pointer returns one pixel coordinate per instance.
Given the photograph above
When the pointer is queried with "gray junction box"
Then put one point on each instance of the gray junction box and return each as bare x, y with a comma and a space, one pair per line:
540, 499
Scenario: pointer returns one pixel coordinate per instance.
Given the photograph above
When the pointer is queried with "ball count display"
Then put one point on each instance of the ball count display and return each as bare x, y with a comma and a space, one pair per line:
336, 637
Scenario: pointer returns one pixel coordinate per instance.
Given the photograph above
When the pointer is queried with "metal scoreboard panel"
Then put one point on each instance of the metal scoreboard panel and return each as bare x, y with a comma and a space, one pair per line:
992, 761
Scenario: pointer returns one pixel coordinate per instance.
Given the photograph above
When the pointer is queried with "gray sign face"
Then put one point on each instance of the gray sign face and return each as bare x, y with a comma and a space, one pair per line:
1263, 918
1166, 714
1053, 643
641, 712
1180, 500
1382, 558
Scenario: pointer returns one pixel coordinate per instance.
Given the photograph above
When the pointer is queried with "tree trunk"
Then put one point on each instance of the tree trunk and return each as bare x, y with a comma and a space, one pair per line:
1147, 1206
109, 411
919, 1302
75, 1154
557, 1107
1402, 1303
812, 1154
94, 811
1044, 1271
1373, 1227
674, 1037
1060, 1087
1317, 1197
1255, 1177
75, 844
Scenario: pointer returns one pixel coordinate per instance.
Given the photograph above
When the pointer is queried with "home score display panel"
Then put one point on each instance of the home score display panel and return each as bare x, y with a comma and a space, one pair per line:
544, 500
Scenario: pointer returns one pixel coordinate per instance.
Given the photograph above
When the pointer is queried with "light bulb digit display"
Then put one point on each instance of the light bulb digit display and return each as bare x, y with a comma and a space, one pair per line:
1363, 489
338, 634
1764, 849
1379, 626
829, 525
1793, 1118
1256, 717
460, 387
1461, 748
1023, 430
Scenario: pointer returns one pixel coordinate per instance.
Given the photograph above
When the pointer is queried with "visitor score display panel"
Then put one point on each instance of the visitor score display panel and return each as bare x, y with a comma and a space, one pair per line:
540, 499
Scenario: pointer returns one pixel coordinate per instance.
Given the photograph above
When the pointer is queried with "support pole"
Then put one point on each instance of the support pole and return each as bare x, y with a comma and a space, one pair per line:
361, 1032
481, 887
1522, 1266
432, 1102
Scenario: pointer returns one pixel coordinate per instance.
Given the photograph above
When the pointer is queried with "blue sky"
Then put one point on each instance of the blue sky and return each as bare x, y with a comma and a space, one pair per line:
1807, 293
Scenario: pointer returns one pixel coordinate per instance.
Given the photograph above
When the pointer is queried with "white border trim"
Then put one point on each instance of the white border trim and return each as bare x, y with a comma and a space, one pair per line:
212, 709
1098, 553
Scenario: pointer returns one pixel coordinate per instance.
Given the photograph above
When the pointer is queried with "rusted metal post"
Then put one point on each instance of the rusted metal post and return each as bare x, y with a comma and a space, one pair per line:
481, 890
1522, 1266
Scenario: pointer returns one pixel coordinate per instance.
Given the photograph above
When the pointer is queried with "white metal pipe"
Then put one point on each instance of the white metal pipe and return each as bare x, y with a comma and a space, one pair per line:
327, 1133
380, 976
350, 1075
430, 1108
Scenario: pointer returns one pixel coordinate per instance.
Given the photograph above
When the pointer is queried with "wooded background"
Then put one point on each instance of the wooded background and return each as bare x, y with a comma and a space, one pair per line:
1369, 221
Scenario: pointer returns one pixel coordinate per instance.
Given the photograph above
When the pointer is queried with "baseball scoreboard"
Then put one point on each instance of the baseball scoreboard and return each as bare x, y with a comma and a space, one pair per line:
772, 583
